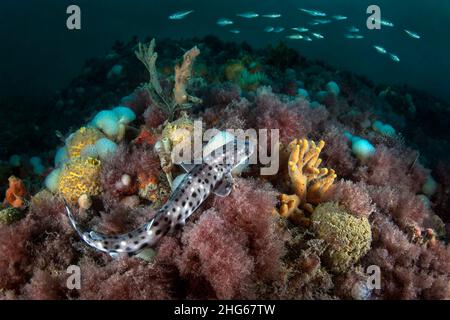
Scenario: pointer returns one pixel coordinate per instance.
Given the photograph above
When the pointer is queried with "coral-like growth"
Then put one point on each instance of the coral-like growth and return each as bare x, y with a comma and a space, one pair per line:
15, 193
183, 73
80, 176
181, 99
308, 181
348, 238
81, 138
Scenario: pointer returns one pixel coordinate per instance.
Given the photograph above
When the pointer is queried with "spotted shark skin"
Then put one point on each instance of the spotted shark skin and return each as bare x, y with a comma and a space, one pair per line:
213, 175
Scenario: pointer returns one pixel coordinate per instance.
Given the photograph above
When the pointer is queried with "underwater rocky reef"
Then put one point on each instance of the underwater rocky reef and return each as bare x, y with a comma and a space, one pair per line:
363, 181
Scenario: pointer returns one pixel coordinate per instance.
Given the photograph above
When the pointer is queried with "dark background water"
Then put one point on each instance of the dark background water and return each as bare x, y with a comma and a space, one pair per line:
39, 55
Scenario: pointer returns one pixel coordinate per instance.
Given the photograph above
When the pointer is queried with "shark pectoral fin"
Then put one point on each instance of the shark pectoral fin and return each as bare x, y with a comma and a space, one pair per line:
223, 189
187, 166
96, 236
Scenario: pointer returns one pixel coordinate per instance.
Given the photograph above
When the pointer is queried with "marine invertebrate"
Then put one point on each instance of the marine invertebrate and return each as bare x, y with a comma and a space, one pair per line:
80, 176
173, 134
16, 192
348, 237
80, 139
180, 98
10, 214
114, 122
308, 181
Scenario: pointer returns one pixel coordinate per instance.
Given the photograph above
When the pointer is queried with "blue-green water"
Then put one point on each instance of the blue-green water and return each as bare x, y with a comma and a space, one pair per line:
40, 55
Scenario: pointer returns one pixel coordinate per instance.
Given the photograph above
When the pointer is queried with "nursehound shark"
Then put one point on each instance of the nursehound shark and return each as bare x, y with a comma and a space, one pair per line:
212, 175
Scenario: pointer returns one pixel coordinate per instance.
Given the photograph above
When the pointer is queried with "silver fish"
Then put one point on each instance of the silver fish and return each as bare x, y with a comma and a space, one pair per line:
322, 21
394, 57
306, 38
235, 31
248, 15
353, 29
211, 176
278, 29
180, 15
295, 36
268, 29
380, 49
317, 35
384, 22
314, 13
224, 22
339, 17
412, 34
300, 29
271, 15
354, 36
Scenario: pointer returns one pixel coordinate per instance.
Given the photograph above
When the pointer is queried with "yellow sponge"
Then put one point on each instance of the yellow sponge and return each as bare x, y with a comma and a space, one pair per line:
80, 176
81, 138
348, 238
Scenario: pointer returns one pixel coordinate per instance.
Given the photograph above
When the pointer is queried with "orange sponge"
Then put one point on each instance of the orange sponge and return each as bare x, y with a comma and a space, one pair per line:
15, 193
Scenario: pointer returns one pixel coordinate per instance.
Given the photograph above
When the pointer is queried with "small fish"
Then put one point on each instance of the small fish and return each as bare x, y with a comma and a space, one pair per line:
384, 22
322, 21
224, 22
412, 34
295, 36
278, 29
339, 17
354, 36
180, 15
300, 29
272, 15
394, 57
352, 29
317, 35
313, 23
268, 29
306, 38
248, 15
314, 13
235, 31
380, 49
